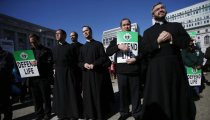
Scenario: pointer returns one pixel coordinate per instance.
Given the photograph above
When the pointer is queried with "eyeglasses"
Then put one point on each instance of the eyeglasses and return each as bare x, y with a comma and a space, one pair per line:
126, 24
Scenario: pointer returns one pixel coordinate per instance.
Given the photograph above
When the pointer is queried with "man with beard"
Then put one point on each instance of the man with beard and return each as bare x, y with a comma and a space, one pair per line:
76, 50
96, 82
167, 94
6, 66
40, 85
66, 101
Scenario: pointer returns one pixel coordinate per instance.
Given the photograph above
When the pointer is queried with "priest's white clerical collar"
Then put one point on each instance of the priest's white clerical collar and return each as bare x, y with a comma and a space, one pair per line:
61, 43
89, 40
159, 22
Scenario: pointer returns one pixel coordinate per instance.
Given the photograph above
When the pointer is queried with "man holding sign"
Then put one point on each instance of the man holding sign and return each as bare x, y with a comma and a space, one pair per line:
127, 68
40, 85
193, 60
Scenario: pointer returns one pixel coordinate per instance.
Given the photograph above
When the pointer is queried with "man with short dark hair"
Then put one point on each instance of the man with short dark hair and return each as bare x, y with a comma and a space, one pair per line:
167, 94
67, 101
40, 85
128, 75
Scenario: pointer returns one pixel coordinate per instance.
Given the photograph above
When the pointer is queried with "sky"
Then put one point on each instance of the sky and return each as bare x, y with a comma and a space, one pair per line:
100, 15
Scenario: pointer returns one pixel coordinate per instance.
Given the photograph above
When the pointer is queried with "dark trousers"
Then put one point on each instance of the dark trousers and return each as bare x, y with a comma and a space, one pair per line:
41, 91
6, 107
129, 89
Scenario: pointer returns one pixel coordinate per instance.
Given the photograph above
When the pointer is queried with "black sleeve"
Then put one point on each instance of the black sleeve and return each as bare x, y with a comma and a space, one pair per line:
147, 46
112, 48
181, 39
50, 57
7, 63
102, 56
140, 54
207, 53
81, 58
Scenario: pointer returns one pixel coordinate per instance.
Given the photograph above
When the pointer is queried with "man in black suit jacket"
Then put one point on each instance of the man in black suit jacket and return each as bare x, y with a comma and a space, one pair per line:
40, 85
167, 93
128, 75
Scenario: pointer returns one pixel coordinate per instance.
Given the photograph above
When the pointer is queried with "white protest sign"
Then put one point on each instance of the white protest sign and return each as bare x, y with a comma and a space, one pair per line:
131, 40
194, 76
23, 60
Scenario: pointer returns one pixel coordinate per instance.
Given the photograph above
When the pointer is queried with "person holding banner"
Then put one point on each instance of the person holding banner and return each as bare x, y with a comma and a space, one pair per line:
193, 60
167, 94
67, 100
127, 69
40, 85
6, 65
96, 82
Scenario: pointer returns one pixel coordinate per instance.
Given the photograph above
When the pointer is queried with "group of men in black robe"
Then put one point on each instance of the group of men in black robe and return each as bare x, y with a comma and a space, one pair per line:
167, 94
82, 85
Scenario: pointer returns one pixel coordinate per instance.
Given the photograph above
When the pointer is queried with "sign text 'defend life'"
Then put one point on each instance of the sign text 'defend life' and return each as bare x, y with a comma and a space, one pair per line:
194, 76
24, 60
131, 40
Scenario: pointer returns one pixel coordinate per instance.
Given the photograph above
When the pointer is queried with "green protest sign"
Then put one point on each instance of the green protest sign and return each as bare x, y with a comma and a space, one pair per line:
192, 33
23, 60
24, 55
194, 76
127, 36
131, 40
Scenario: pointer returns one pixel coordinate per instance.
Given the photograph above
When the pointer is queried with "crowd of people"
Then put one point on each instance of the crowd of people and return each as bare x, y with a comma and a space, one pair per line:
82, 87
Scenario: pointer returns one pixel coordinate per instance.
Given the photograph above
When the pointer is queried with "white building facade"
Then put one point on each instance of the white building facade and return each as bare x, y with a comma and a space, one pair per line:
195, 19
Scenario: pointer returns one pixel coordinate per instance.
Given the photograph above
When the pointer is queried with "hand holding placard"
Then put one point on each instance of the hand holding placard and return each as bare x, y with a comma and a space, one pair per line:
123, 47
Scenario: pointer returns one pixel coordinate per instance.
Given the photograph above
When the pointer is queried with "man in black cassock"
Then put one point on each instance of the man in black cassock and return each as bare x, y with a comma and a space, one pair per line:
6, 66
66, 102
127, 75
167, 94
96, 82
40, 85
76, 49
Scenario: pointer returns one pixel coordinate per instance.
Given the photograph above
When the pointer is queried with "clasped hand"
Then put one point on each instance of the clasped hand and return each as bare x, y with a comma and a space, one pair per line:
88, 66
164, 36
